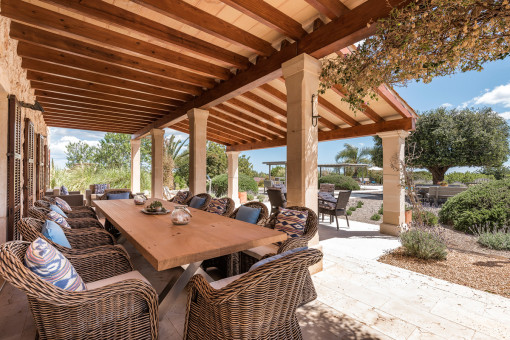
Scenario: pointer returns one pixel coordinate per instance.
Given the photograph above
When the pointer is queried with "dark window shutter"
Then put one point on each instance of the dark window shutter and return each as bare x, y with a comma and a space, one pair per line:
14, 169
28, 167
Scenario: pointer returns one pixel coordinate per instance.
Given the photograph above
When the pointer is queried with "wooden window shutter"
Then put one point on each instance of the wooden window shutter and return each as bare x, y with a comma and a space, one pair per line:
14, 169
46, 167
28, 167
40, 167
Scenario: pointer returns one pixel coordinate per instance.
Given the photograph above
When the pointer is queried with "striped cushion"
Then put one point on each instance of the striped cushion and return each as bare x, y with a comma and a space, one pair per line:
181, 197
58, 219
218, 206
48, 263
291, 222
99, 189
62, 204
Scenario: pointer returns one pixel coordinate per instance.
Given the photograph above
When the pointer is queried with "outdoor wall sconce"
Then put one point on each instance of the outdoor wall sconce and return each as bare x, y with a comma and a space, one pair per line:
315, 111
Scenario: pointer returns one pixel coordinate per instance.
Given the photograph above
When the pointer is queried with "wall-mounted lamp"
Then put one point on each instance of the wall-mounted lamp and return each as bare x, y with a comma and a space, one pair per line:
315, 110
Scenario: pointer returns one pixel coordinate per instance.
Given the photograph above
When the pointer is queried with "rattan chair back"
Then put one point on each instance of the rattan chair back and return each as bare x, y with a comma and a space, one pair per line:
115, 191
276, 198
327, 187
229, 207
206, 202
43, 204
188, 196
343, 199
264, 213
38, 213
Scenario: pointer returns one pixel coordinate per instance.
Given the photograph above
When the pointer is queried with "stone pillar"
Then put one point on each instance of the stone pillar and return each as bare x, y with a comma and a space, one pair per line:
302, 81
157, 148
233, 176
393, 143
197, 150
135, 165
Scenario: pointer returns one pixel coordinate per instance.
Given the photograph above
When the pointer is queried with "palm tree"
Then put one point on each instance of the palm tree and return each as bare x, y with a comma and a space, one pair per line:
354, 155
173, 147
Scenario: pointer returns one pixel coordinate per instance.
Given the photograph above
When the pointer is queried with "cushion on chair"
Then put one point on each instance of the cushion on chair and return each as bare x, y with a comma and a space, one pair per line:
63, 190
62, 204
247, 214
48, 263
197, 202
181, 197
260, 252
276, 257
59, 219
111, 280
56, 209
100, 188
119, 196
54, 232
223, 282
291, 222
217, 206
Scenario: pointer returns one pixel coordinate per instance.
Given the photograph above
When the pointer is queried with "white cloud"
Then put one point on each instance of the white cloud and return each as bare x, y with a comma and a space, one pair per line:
500, 95
446, 105
505, 115
178, 135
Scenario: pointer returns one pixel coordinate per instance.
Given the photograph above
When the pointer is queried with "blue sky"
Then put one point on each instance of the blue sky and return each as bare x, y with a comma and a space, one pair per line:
490, 87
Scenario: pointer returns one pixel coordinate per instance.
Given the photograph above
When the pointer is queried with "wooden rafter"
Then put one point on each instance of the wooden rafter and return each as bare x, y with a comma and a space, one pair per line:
257, 99
95, 115
182, 126
330, 8
229, 127
259, 113
337, 111
367, 110
253, 129
81, 126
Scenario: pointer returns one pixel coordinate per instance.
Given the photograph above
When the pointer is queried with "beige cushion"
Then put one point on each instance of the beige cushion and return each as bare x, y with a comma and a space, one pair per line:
105, 282
223, 282
259, 252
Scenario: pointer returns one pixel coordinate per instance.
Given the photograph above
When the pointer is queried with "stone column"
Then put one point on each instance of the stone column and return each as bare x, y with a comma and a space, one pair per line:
4, 129
233, 176
157, 149
302, 81
393, 143
197, 150
135, 165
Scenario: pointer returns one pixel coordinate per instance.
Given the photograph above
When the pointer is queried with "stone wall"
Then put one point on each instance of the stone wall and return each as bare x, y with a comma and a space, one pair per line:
13, 81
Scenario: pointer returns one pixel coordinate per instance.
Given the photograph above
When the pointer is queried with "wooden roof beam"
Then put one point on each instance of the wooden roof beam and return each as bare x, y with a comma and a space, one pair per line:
79, 126
230, 127
183, 127
255, 129
266, 103
259, 113
337, 112
367, 111
81, 113
330, 8
269, 16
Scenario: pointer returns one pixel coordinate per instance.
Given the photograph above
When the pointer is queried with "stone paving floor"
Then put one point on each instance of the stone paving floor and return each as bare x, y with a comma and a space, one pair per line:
358, 298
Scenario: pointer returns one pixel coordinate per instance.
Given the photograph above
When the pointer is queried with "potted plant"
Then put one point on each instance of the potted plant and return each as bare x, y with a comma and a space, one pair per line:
443, 183
243, 196
156, 206
408, 215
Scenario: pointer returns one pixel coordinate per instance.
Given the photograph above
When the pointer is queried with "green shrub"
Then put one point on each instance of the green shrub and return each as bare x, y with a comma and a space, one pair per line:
340, 182
219, 184
422, 176
359, 204
481, 204
427, 217
380, 211
465, 177
348, 212
375, 217
423, 244
250, 197
497, 240
352, 208
261, 198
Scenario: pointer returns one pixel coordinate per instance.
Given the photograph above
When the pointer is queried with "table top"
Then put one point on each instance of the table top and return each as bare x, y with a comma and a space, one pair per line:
166, 245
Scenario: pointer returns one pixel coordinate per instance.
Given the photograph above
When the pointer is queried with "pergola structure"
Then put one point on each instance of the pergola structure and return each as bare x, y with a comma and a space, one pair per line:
320, 166
242, 73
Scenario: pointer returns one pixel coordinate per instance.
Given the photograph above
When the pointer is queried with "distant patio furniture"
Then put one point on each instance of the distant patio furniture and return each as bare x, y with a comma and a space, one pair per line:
249, 257
75, 213
204, 205
74, 199
327, 187
335, 208
75, 223
121, 306
79, 239
438, 195
260, 304
276, 198
91, 194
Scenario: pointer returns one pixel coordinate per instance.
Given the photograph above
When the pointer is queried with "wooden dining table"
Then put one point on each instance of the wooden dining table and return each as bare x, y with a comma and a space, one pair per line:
165, 245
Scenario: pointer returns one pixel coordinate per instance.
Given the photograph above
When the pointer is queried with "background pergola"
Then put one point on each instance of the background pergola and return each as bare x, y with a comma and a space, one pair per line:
138, 66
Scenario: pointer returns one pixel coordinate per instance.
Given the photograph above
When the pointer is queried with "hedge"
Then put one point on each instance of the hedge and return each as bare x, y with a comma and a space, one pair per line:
340, 182
219, 184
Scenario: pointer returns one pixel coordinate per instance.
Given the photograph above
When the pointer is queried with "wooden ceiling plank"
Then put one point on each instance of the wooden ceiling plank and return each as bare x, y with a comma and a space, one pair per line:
256, 130
241, 115
245, 106
92, 116
21, 11
330, 8
337, 112
367, 111
80, 74
51, 90
44, 38
86, 85
233, 127
113, 15
257, 99
105, 121
78, 126
182, 127
235, 136
269, 16
71, 60
190, 15
393, 101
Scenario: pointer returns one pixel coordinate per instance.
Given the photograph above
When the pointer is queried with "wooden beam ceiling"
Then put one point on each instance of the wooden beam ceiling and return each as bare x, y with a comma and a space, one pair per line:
330, 8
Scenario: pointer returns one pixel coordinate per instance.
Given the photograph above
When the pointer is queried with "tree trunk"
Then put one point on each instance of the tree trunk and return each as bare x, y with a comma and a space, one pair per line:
438, 173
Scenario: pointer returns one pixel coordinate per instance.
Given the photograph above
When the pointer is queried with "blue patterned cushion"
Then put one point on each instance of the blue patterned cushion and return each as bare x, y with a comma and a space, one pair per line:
57, 210
119, 196
48, 263
275, 257
59, 219
197, 202
63, 190
181, 197
247, 214
100, 188
54, 232
62, 204
291, 222
218, 206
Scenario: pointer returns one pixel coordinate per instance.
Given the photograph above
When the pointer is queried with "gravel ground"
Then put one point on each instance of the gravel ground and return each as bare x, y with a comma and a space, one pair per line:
484, 272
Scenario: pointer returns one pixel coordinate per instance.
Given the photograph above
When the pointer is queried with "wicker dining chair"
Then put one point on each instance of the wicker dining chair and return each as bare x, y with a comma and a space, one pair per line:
188, 196
276, 198
52, 200
249, 257
31, 229
75, 223
260, 304
228, 265
206, 202
127, 309
84, 213
335, 209
229, 207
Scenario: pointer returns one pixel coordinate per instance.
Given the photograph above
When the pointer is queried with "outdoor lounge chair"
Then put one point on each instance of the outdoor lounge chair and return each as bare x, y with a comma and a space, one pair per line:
276, 198
249, 257
75, 223
117, 307
260, 304
79, 239
327, 187
335, 209
206, 202
74, 198
75, 213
